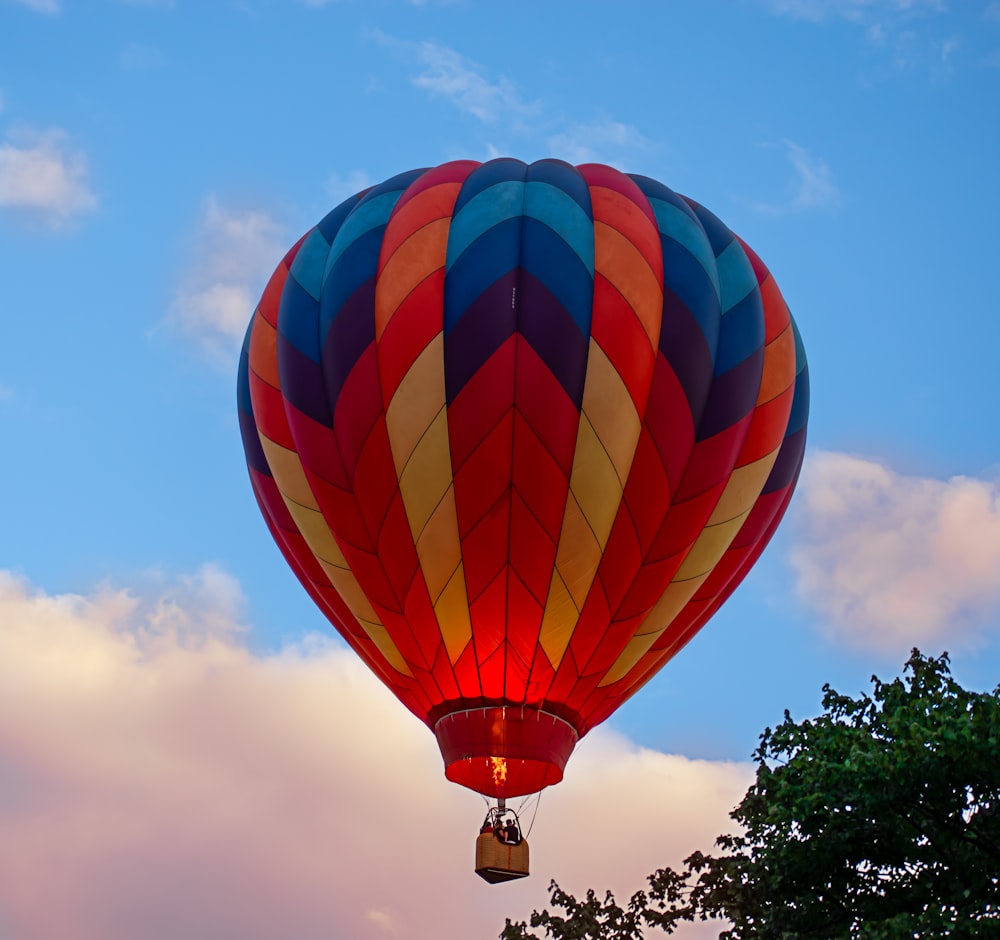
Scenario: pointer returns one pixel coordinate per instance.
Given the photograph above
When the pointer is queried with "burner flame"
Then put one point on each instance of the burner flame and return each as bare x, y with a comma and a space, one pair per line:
498, 766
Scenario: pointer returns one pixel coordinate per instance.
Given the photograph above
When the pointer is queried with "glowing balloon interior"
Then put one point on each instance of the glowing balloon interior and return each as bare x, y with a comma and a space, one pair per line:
520, 429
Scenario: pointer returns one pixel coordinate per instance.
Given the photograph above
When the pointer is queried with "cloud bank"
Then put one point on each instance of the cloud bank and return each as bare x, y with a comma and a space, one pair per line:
892, 561
160, 780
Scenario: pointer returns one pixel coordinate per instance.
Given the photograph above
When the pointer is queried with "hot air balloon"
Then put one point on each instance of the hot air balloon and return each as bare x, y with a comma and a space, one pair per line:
520, 430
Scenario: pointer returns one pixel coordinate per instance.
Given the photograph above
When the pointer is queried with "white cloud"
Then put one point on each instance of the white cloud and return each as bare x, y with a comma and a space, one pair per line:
160, 780
814, 182
948, 49
137, 57
587, 143
340, 187
811, 186
893, 561
234, 253
904, 30
412, 3
497, 101
451, 75
853, 10
49, 7
44, 177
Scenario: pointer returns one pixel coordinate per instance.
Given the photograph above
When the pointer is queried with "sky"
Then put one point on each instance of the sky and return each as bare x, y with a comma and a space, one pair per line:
186, 748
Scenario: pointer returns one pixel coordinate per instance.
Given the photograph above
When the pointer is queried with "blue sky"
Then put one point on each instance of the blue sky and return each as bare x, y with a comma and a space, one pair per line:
157, 158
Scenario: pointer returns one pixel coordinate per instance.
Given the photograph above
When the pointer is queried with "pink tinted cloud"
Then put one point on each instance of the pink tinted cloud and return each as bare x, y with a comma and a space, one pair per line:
893, 561
160, 780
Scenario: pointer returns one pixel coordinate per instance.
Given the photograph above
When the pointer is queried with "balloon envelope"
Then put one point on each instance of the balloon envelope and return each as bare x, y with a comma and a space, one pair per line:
519, 430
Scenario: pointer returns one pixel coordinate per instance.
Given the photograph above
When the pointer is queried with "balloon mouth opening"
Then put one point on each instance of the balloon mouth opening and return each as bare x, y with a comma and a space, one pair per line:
505, 751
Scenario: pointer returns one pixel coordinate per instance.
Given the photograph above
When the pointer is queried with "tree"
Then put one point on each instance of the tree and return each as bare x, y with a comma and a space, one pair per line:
880, 819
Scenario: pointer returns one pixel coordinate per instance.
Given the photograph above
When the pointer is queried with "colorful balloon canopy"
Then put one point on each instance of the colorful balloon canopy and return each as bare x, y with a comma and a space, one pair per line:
519, 430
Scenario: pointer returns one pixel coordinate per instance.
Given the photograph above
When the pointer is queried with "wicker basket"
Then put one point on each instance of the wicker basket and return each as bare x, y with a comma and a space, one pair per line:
496, 861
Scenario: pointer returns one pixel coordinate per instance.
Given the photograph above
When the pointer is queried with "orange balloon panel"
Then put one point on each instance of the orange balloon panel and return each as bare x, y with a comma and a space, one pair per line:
520, 429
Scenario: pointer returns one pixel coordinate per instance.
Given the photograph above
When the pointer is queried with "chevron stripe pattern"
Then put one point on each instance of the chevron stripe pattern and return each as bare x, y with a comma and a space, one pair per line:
520, 429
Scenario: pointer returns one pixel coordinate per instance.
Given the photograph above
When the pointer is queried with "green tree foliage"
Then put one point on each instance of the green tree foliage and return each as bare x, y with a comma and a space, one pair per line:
879, 820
